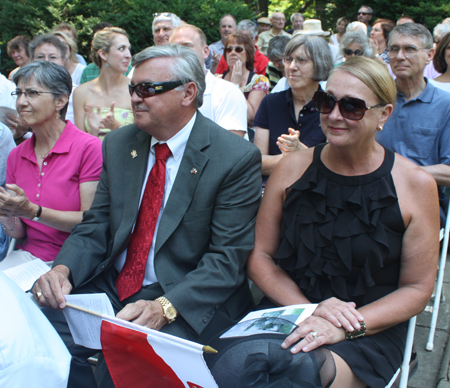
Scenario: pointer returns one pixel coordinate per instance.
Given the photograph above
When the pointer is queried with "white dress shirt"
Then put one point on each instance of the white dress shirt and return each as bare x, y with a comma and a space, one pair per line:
177, 145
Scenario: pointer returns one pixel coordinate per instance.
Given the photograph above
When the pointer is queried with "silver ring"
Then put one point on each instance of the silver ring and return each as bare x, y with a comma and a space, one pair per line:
17, 125
38, 295
314, 334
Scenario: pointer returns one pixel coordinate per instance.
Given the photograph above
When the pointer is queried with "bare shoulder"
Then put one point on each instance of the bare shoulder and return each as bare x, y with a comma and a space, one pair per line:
291, 167
417, 191
409, 174
82, 90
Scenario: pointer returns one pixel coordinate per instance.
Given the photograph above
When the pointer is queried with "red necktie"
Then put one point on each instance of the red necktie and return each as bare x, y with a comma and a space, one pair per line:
132, 274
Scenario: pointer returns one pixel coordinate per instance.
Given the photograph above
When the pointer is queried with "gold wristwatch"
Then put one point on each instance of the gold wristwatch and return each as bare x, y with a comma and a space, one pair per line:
169, 311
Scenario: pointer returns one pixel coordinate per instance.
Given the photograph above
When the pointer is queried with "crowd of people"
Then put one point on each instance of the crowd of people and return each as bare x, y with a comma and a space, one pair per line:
313, 164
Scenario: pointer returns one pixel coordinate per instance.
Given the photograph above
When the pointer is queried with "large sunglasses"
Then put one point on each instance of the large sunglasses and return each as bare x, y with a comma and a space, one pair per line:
351, 108
238, 49
350, 52
149, 89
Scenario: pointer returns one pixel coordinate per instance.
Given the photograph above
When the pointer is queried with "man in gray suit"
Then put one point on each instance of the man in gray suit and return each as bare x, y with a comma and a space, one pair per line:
194, 283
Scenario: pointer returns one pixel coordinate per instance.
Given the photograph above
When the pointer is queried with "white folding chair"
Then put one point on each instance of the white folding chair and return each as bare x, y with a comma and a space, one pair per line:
440, 281
404, 369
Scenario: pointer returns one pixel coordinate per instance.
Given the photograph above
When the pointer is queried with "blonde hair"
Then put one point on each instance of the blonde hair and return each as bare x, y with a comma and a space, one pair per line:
71, 43
103, 41
373, 74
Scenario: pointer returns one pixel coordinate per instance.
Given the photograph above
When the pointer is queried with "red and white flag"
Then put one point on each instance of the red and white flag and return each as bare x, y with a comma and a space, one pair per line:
139, 357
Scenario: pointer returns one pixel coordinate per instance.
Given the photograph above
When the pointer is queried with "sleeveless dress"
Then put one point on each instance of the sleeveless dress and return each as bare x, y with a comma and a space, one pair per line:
123, 116
341, 236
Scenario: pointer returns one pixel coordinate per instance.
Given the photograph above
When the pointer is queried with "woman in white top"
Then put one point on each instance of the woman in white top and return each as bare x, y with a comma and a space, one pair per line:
341, 25
71, 63
440, 61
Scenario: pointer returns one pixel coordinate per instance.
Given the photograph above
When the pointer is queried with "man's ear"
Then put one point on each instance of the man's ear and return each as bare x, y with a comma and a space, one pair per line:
205, 52
430, 55
190, 93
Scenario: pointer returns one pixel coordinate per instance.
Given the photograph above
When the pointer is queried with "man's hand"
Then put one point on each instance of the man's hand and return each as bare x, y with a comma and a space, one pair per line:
144, 313
51, 287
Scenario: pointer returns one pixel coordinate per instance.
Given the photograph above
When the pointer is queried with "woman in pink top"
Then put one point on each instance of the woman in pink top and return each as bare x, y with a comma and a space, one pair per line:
51, 177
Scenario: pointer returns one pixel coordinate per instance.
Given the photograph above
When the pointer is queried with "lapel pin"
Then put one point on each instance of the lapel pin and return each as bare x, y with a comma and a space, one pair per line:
194, 170
133, 154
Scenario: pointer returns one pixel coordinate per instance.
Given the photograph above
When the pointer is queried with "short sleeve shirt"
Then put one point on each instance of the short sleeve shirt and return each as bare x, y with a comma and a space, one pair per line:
277, 114
224, 104
75, 158
419, 129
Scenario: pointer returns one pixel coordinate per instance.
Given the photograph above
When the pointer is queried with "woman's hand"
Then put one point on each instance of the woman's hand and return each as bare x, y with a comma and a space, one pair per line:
216, 57
15, 203
374, 44
109, 120
94, 118
339, 313
289, 143
312, 333
236, 73
15, 124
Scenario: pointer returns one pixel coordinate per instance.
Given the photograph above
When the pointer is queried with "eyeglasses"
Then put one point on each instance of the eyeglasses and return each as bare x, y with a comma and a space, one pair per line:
349, 52
30, 94
408, 51
300, 61
149, 89
166, 14
238, 49
48, 58
351, 108
364, 13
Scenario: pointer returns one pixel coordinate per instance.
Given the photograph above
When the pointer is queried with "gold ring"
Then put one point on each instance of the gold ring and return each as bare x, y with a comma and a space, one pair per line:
38, 295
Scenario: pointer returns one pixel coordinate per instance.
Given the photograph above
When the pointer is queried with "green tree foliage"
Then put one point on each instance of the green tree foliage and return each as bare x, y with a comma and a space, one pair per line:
30, 17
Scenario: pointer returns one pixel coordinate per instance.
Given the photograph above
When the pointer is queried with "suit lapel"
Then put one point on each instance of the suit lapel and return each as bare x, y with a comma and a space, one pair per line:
186, 181
136, 161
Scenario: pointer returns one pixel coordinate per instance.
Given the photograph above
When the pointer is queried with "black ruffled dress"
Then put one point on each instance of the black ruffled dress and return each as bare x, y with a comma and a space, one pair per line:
341, 236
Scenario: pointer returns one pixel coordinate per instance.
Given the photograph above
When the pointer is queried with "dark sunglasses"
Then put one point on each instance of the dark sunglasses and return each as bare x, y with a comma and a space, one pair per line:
349, 52
149, 89
351, 108
238, 49
364, 13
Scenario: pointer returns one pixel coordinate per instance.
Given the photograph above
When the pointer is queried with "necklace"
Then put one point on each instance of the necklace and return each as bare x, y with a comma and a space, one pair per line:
43, 156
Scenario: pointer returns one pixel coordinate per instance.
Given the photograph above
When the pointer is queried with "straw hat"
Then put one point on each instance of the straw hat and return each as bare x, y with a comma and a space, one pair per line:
263, 20
312, 27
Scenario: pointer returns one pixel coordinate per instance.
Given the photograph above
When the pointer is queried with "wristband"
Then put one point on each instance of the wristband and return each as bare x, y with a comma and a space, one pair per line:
351, 335
38, 214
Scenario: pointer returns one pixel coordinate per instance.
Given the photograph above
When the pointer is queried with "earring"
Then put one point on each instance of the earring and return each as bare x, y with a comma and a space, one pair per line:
57, 115
106, 64
380, 128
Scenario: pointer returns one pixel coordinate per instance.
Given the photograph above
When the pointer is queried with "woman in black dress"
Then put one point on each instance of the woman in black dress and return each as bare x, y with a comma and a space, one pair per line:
349, 225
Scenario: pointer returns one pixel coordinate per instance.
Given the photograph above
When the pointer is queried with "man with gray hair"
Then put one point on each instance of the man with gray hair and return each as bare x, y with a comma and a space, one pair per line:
278, 21
162, 26
297, 20
419, 128
260, 60
172, 222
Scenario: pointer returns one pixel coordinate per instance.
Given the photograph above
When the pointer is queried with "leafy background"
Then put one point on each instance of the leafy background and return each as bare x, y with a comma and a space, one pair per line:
30, 17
